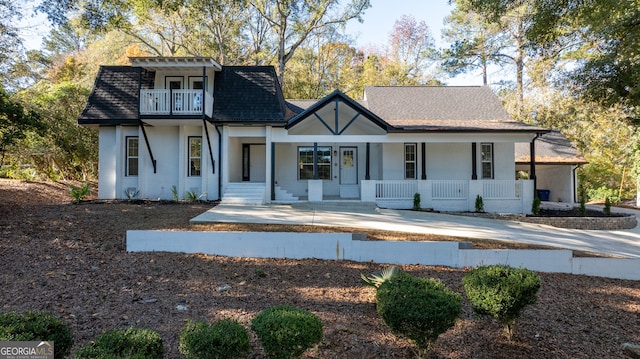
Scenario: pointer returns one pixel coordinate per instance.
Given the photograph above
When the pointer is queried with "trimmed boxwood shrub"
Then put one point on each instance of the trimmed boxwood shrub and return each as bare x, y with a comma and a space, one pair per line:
223, 339
286, 331
501, 292
417, 308
130, 343
32, 326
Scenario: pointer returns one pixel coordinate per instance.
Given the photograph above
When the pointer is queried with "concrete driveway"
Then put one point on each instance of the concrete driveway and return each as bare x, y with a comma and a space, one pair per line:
362, 215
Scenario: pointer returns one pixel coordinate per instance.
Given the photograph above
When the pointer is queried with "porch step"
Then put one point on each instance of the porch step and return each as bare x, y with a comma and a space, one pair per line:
244, 192
283, 196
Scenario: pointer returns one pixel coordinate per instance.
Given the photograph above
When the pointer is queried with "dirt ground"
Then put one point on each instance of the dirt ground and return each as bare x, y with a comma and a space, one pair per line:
69, 259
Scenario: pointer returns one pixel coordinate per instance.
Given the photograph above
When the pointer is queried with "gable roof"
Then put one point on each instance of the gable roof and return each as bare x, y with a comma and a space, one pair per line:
341, 97
442, 108
248, 95
551, 148
114, 99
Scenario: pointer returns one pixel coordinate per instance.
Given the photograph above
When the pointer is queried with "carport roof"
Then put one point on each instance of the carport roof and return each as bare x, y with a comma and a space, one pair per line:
551, 148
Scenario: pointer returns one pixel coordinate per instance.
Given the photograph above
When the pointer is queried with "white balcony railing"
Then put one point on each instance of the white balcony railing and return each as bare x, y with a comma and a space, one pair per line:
170, 102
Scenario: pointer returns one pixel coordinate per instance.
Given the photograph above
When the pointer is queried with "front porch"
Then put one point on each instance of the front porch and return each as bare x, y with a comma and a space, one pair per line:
503, 196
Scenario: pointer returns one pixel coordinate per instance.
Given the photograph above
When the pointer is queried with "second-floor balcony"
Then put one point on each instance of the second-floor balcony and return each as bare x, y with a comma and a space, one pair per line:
171, 102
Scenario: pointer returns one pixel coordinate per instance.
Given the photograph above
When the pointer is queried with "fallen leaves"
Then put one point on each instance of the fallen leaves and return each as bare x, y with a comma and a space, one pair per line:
70, 260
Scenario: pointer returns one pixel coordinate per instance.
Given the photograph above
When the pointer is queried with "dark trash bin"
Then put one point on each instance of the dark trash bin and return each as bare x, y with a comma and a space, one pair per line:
543, 194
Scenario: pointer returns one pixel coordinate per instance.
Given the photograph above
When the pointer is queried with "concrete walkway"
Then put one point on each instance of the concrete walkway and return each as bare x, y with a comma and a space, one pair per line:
624, 243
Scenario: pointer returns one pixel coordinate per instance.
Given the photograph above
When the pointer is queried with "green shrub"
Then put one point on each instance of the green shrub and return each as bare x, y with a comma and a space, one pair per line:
31, 326
479, 204
501, 291
417, 308
416, 201
607, 207
80, 193
535, 207
174, 193
193, 196
286, 331
377, 278
223, 339
602, 193
130, 343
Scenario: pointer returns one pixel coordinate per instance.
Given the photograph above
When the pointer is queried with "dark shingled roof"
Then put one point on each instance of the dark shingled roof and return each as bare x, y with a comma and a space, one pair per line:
551, 148
248, 94
442, 108
114, 99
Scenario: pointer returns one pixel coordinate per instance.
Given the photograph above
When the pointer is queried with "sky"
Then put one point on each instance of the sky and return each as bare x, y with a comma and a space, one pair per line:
380, 17
377, 23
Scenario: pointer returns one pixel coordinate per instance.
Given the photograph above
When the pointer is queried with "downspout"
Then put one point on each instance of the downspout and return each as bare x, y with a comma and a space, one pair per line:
219, 162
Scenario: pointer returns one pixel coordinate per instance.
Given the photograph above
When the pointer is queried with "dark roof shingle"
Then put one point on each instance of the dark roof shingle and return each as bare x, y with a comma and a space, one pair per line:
115, 95
248, 94
441, 108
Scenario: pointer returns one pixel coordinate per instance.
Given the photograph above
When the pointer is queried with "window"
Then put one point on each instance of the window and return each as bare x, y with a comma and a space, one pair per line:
305, 161
486, 151
410, 160
195, 156
132, 156
196, 85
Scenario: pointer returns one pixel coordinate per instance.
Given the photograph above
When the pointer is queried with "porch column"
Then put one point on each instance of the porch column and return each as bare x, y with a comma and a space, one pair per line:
532, 162
273, 171
367, 175
474, 165
315, 160
424, 161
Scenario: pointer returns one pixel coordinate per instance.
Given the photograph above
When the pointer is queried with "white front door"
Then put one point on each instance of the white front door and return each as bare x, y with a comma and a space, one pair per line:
348, 165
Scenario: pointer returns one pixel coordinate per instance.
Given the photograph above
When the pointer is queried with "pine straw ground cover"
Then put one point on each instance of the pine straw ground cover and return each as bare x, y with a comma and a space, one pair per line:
70, 260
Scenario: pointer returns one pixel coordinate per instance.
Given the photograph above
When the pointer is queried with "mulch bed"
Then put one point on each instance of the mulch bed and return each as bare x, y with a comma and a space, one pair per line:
70, 260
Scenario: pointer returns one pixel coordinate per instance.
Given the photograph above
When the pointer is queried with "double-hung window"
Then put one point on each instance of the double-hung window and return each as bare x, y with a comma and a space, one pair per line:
486, 151
410, 160
305, 163
195, 155
132, 156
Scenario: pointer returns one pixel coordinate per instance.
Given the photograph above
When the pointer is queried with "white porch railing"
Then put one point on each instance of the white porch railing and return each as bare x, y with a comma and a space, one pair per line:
504, 196
165, 102
501, 189
395, 189
449, 189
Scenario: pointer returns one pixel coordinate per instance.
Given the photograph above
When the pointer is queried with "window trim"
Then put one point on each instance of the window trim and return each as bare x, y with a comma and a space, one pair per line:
128, 156
483, 161
329, 165
414, 161
190, 169
192, 79
169, 79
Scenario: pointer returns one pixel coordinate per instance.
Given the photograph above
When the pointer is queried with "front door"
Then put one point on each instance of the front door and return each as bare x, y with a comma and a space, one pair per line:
348, 165
253, 162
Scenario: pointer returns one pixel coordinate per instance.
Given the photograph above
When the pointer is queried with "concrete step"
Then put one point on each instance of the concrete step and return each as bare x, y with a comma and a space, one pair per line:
283, 195
245, 193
